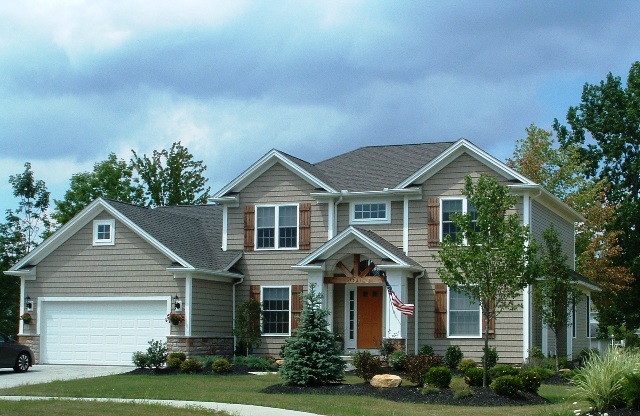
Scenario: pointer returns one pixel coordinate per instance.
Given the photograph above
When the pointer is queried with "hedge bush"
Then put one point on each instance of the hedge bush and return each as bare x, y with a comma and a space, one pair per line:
466, 364
473, 376
221, 365
490, 358
397, 360
507, 386
439, 376
426, 350
530, 381
503, 370
191, 366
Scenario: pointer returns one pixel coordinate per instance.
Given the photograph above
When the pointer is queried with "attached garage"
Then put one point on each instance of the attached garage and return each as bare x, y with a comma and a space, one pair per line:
99, 331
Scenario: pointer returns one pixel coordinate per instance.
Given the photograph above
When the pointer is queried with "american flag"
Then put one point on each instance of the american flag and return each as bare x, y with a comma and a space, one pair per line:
405, 308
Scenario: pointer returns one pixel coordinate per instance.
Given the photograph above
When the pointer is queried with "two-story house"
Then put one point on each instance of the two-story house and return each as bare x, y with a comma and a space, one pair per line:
101, 286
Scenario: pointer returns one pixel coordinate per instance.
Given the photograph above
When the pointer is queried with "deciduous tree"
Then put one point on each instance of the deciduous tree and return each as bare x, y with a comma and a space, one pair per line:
171, 177
493, 261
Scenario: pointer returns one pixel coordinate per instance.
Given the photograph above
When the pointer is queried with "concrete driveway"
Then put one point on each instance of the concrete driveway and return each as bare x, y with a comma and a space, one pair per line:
46, 373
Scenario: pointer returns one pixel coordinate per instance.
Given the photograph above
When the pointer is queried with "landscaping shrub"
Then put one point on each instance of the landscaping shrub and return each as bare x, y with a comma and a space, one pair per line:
530, 381
247, 327
439, 376
544, 373
388, 346
600, 381
156, 355
140, 359
536, 352
426, 350
190, 366
416, 367
207, 360
453, 356
175, 359
311, 356
490, 357
221, 365
507, 386
397, 360
466, 364
253, 362
503, 370
461, 391
631, 390
366, 364
473, 376
174, 362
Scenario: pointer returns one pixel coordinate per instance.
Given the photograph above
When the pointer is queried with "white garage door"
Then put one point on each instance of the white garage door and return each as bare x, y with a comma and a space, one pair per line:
100, 332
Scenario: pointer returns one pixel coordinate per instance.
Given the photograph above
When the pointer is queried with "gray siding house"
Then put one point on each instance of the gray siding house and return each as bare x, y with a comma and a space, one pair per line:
102, 285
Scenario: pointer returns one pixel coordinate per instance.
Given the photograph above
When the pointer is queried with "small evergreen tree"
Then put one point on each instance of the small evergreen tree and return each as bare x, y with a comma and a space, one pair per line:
310, 356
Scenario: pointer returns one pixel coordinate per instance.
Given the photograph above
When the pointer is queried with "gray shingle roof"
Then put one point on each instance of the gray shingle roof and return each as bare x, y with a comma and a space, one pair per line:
194, 233
393, 249
374, 168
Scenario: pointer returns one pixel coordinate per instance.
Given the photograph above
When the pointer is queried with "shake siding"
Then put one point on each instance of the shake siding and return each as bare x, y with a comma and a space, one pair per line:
277, 185
212, 309
542, 218
131, 267
449, 182
391, 232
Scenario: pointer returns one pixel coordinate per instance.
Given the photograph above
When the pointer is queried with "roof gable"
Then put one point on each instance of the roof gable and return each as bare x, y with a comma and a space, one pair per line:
369, 239
305, 170
453, 152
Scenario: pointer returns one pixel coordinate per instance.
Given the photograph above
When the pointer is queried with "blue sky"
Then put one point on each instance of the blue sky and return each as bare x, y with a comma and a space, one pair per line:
234, 79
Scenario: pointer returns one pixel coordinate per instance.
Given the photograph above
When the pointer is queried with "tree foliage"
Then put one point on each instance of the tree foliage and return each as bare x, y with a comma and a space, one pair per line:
493, 262
606, 127
554, 292
171, 177
247, 327
111, 178
311, 356
21, 232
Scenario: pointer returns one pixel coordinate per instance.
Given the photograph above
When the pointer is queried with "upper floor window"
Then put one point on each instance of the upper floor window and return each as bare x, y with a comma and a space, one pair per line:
464, 315
276, 310
452, 206
370, 212
104, 232
277, 226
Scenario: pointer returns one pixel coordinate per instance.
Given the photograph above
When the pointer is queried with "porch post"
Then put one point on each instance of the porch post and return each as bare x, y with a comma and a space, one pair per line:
395, 323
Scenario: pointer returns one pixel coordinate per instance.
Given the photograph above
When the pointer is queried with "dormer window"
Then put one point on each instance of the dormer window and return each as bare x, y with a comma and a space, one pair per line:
370, 212
104, 232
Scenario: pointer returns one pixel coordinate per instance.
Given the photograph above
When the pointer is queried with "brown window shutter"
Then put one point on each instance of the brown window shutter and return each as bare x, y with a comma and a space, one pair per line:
433, 222
296, 305
305, 226
492, 322
440, 329
249, 227
255, 295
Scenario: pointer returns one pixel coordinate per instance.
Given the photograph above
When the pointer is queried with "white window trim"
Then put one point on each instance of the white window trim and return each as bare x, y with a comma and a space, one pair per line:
464, 211
352, 213
277, 228
449, 321
266, 334
112, 232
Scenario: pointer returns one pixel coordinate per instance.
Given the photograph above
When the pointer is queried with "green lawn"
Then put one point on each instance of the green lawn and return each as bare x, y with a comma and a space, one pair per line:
247, 390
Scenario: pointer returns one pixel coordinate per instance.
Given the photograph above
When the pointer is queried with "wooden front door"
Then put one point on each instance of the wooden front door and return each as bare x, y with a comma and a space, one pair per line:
369, 316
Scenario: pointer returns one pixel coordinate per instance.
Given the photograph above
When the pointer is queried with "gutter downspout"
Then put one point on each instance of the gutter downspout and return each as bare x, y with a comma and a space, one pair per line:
415, 312
233, 313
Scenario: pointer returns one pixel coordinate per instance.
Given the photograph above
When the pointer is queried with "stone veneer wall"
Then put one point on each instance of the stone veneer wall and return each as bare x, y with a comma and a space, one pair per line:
33, 342
198, 346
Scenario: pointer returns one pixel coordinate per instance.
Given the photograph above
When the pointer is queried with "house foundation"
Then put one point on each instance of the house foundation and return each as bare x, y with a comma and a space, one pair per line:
199, 346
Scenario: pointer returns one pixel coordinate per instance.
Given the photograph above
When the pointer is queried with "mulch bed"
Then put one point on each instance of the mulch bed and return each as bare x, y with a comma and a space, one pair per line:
482, 396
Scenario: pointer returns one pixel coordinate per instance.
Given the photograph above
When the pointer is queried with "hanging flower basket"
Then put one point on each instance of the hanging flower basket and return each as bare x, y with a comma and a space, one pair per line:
175, 318
26, 318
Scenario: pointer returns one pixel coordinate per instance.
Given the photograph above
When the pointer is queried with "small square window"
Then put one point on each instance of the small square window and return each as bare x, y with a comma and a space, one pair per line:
104, 232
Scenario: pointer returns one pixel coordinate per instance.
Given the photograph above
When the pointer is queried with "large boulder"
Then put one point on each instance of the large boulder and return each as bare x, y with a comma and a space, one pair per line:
386, 381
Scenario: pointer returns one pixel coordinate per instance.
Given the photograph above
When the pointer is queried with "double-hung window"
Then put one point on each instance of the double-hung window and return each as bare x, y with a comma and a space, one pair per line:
276, 310
450, 207
104, 232
277, 227
464, 318
370, 212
